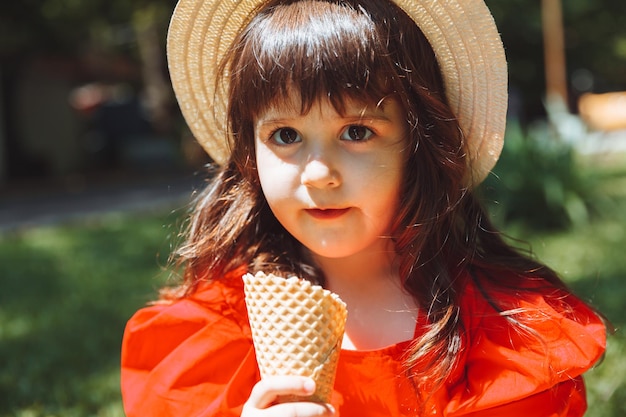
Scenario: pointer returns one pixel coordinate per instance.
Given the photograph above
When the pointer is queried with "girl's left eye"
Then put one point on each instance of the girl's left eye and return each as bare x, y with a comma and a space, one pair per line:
356, 133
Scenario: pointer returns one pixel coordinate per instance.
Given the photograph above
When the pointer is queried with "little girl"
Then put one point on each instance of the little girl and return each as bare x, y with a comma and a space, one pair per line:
351, 135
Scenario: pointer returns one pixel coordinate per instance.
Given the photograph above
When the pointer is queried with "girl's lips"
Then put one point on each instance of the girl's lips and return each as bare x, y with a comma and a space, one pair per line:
327, 214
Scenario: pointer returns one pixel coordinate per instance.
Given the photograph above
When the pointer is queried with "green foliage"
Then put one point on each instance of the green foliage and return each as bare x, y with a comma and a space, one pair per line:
539, 182
65, 295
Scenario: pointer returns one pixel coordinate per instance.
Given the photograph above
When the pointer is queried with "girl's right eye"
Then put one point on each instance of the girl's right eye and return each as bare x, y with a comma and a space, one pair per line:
285, 136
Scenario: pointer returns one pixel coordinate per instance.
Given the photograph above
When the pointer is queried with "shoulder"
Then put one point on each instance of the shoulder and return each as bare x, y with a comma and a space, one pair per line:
182, 358
526, 338
504, 300
216, 310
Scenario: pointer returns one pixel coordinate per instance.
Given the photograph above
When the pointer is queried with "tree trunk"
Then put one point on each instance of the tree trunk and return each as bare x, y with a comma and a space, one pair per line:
554, 51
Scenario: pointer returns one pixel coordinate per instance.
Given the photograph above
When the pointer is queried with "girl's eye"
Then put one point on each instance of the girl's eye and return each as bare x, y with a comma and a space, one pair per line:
285, 136
356, 133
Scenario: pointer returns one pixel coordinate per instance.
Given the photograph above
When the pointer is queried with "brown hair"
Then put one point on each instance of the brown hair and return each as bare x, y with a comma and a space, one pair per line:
363, 50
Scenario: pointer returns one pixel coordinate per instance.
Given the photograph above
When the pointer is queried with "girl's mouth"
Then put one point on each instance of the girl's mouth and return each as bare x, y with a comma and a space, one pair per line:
327, 214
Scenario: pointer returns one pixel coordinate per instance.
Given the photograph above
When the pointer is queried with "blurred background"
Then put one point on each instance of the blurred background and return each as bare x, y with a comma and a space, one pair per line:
97, 169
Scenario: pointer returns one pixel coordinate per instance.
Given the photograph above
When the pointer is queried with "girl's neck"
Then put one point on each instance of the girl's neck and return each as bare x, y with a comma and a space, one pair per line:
368, 269
380, 311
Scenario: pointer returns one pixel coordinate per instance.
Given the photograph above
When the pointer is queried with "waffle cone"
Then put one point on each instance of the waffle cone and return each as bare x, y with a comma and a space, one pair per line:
297, 329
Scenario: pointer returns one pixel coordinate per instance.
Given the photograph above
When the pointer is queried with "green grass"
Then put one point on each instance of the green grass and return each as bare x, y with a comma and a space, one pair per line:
65, 295
67, 291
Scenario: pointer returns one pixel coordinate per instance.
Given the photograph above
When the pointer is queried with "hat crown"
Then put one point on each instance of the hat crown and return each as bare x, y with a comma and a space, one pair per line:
462, 34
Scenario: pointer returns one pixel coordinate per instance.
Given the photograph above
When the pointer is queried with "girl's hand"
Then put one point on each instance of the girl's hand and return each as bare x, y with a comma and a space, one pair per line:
264, 394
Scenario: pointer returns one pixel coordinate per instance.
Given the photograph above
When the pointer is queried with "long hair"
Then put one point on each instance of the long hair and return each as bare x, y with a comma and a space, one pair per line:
363, 50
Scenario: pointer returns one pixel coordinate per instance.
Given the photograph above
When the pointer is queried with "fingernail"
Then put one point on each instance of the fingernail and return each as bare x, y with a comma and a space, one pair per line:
309, 386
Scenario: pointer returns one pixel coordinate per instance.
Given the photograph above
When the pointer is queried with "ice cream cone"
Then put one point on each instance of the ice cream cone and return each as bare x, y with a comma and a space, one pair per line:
297, 329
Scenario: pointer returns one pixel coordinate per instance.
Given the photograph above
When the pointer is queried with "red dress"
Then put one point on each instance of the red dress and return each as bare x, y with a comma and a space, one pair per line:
195, 358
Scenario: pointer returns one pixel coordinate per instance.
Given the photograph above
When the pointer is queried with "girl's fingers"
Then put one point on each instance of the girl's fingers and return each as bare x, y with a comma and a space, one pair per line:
302, 409
267, 390
262, 400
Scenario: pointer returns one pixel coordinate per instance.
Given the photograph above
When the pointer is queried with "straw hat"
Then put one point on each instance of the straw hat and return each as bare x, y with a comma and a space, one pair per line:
461, 32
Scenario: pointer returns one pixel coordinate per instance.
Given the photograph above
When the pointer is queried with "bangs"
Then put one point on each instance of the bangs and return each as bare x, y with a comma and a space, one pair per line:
314, 49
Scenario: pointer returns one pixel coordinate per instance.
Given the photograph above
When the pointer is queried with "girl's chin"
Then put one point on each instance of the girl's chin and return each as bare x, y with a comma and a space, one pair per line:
334, 250
344, 248
325, 250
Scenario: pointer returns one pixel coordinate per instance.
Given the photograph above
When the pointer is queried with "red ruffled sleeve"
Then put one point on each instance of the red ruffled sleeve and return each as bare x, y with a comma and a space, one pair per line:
190, 358
534, 371
195, 358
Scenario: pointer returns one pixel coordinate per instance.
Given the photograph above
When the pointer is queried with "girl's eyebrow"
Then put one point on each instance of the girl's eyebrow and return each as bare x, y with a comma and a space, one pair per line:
279, 117
377, 115
276, 116
267, 123
360, 112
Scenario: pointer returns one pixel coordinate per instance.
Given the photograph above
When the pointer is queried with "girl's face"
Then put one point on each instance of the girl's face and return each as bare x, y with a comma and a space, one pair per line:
333, 180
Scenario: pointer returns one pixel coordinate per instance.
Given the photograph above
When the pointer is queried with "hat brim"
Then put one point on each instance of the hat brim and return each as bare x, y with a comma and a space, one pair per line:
462, 33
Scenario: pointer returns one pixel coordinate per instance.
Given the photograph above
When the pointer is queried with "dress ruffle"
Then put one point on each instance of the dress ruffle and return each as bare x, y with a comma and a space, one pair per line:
194, 357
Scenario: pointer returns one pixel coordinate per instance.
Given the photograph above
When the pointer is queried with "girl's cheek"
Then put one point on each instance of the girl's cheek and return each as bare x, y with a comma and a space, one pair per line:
277, 179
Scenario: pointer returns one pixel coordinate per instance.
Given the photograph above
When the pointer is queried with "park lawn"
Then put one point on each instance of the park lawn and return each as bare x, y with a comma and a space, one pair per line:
66, 292
65, 295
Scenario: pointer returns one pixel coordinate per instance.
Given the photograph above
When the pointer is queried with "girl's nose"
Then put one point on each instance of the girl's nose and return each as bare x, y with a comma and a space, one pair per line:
318, 174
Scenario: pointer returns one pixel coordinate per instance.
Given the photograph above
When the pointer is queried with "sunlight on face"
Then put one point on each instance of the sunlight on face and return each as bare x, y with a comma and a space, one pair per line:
333, 180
